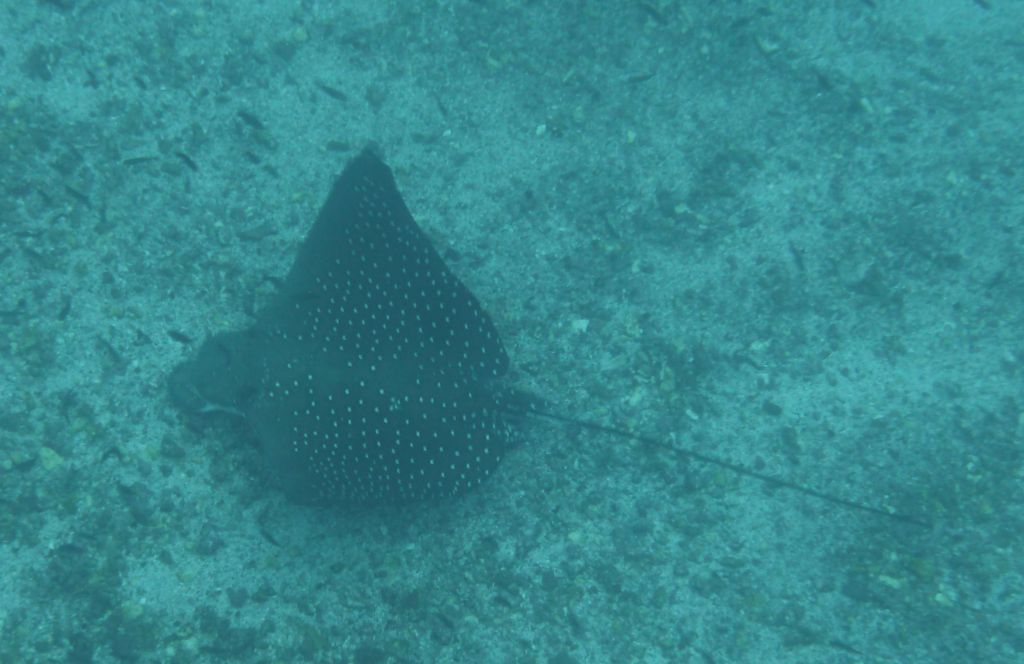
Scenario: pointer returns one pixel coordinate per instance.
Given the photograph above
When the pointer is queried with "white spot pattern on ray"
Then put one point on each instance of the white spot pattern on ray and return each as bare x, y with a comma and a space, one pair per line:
385, 358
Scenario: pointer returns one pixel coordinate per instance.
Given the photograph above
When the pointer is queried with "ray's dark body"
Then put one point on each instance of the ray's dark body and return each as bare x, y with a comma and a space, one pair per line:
368, 379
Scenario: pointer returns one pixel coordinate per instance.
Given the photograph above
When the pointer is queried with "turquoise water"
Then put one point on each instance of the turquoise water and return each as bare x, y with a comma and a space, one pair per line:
786, 235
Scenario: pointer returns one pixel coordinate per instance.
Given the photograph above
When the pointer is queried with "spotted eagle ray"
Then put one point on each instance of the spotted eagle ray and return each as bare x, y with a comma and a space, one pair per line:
372, 377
